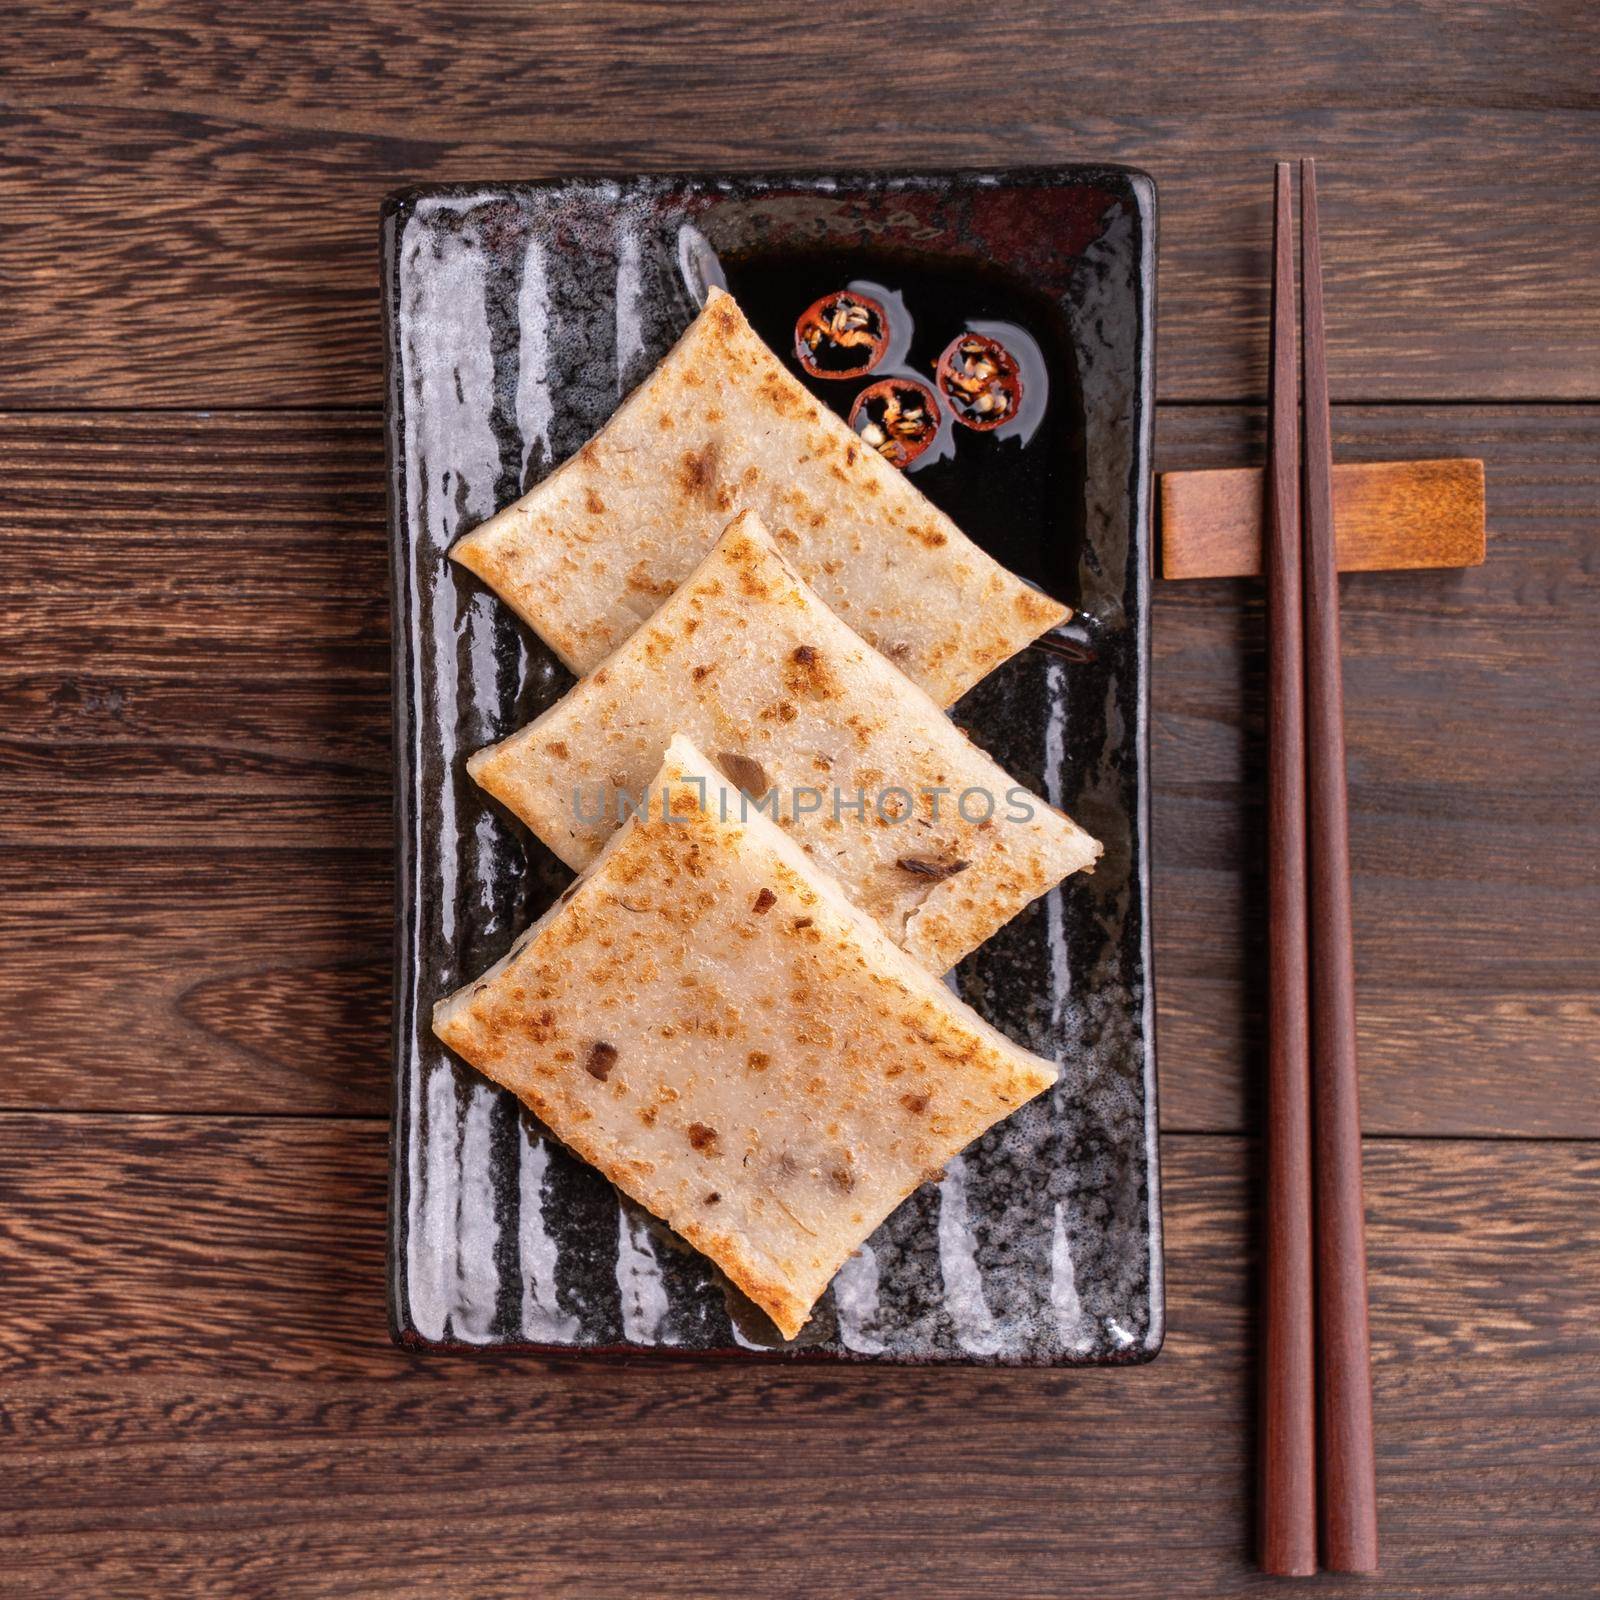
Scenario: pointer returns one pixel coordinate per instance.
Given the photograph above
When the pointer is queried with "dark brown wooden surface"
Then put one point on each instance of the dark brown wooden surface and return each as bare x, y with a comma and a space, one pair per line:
195, 806
190, 191
196, 1395
198, 1388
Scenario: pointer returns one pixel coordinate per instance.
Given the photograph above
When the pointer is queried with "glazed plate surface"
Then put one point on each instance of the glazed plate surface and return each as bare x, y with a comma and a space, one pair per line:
516, 318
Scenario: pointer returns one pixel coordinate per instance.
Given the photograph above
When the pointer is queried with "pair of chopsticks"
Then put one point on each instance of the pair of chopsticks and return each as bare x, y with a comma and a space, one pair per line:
1316, 1435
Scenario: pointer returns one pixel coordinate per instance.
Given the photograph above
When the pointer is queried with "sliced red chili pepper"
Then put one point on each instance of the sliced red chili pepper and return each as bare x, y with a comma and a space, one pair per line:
979, 377
842, 335
898, 417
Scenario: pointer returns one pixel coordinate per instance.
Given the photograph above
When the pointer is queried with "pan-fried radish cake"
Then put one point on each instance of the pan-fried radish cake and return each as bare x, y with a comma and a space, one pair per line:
721, 425
707, 1019
924, 832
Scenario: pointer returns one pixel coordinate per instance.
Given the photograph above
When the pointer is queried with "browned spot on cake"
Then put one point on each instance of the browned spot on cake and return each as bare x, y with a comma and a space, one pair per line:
764, 901
916, 1104
602, 1058
558, 748
1036, 608
934, 871
697, 471
702, 672
777, 394
744, 772
758, 1060
808, 674
597, 506
641, 578
702, 1137
714, 1198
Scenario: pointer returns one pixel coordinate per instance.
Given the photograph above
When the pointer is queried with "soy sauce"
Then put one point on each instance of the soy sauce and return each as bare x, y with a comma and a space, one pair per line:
1018, 491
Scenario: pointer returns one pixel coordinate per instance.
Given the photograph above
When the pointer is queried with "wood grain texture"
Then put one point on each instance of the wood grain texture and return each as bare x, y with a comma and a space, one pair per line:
195, 809
200, 1399
359, 65
260, 143
196, 617
196, 700
1387, 515
1472, 793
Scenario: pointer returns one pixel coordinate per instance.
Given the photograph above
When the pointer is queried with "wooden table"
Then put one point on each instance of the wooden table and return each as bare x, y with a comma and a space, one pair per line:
196, 1391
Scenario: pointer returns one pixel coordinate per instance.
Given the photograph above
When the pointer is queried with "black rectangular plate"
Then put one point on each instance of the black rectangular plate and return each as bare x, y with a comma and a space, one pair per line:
516, 318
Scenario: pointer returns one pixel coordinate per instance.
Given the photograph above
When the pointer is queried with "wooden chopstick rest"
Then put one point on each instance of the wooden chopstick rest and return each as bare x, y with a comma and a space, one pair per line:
1387, 515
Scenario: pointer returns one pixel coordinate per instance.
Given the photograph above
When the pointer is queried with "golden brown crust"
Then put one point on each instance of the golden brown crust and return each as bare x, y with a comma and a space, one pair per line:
586, 555
772, 1131
748, 662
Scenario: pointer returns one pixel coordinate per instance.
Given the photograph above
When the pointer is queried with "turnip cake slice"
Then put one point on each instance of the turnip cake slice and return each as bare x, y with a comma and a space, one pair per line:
925, 833
721, 425
707, 1019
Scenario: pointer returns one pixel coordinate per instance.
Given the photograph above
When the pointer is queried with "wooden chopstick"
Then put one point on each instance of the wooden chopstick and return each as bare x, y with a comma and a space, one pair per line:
1348, 1487
1288, 1491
